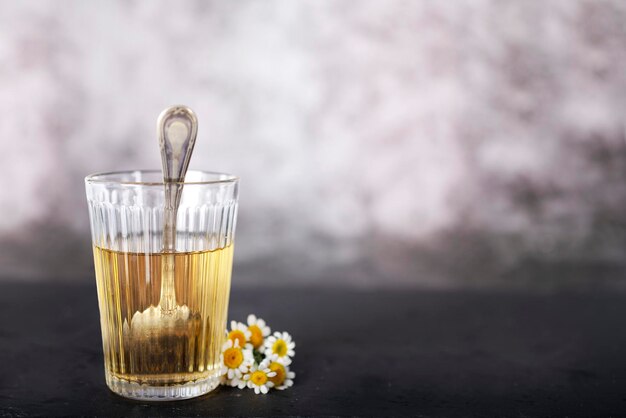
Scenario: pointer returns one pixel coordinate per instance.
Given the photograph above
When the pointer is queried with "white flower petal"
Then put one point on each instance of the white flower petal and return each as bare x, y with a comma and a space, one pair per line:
286, 361
263, 389
282, 387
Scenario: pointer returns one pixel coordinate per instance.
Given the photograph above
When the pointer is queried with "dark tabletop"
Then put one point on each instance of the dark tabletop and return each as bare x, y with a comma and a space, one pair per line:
364, 353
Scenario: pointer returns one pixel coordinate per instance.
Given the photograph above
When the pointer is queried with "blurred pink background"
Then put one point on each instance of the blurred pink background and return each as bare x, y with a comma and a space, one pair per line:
395, 143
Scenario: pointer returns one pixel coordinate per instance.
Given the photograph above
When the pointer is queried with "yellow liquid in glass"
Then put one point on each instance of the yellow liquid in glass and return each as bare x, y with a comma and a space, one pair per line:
140, 344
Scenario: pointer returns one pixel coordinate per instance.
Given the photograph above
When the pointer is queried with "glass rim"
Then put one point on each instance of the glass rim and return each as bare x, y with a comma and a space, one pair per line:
108, 178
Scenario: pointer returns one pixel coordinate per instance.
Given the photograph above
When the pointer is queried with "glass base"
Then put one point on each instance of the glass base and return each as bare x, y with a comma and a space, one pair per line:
161, 393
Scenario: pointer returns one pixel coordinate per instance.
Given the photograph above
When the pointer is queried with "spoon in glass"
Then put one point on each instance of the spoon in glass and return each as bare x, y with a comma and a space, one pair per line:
177, 128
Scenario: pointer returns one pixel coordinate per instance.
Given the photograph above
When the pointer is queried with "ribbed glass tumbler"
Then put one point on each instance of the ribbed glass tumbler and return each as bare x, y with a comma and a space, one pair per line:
162, 313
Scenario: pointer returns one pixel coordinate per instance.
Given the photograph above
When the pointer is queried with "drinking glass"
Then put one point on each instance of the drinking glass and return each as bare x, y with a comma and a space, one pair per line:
162, 333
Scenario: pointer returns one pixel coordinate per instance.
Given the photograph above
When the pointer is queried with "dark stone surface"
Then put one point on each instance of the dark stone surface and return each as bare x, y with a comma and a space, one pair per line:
375, 353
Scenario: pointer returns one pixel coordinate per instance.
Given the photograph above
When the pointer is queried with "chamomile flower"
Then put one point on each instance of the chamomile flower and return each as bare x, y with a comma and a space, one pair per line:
258, 331
280, 348
284, 377
239, 332
259, 377
235, 362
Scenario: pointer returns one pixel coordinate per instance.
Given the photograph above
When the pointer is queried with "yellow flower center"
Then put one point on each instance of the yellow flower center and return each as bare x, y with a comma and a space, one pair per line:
258, 378
233, 357
280, 373
280, 348
237, 335
256, 337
